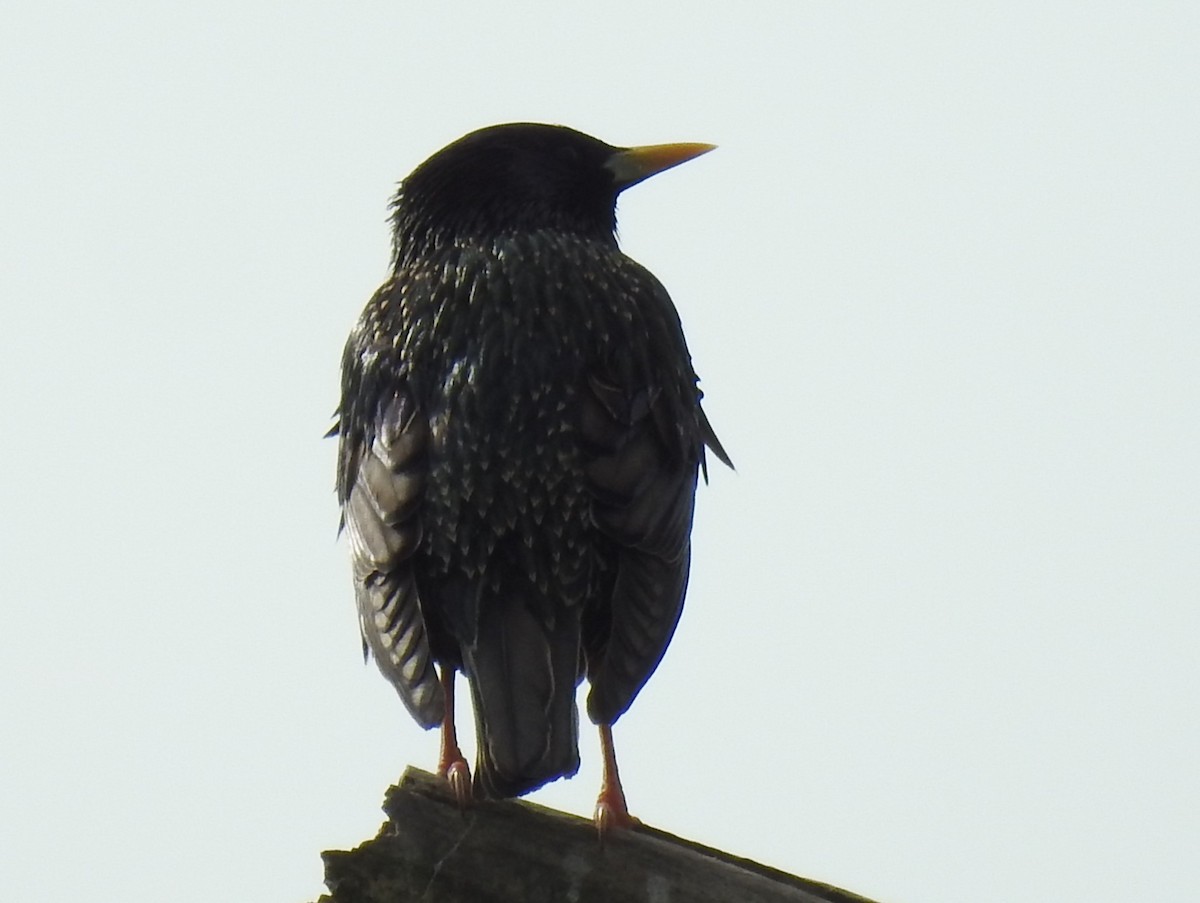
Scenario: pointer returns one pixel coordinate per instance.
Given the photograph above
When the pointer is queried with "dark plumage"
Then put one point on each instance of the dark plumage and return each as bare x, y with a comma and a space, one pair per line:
520, 436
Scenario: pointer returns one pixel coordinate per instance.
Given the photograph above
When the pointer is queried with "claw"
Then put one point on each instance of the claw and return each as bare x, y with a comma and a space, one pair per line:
458, 776
612, 814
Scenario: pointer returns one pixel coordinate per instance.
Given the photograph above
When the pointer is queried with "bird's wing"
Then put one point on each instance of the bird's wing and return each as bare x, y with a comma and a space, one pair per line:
381, 481
644, 486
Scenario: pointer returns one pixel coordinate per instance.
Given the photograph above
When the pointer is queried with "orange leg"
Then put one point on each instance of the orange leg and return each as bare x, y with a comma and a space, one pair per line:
451, 764
611, 810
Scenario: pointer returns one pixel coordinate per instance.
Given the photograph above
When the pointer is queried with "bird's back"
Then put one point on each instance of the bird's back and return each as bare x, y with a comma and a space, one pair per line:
503, 348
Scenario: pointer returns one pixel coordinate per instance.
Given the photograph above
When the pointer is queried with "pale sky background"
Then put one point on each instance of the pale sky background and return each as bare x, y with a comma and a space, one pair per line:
940, 281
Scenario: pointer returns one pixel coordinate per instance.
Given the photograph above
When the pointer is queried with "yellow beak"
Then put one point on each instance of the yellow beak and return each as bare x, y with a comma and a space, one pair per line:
633, 164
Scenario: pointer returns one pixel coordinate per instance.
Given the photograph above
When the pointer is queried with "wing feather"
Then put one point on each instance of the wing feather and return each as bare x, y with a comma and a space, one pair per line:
387, 473
644, 491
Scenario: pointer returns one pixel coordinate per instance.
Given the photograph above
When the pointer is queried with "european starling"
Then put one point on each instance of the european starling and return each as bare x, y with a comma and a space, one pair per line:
520, 437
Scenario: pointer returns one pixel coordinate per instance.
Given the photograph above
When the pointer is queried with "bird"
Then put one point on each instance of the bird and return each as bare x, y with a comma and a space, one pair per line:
519, 442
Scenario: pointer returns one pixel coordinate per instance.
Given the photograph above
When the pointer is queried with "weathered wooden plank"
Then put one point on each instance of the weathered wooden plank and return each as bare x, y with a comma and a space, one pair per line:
500, 852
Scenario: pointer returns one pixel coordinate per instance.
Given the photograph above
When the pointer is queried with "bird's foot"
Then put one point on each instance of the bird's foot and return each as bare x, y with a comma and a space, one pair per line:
612, 813
451, 764
458, 775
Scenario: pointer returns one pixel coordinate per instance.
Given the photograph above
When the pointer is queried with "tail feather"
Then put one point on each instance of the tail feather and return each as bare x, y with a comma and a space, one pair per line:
523, 673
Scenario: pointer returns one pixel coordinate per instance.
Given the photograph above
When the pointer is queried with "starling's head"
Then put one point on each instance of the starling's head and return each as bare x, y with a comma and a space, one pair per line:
523, 176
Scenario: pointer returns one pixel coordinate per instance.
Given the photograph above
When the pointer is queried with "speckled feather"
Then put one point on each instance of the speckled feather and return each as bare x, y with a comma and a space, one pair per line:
520, 441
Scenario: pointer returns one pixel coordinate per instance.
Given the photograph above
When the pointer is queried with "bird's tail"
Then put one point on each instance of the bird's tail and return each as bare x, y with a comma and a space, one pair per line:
523, 673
